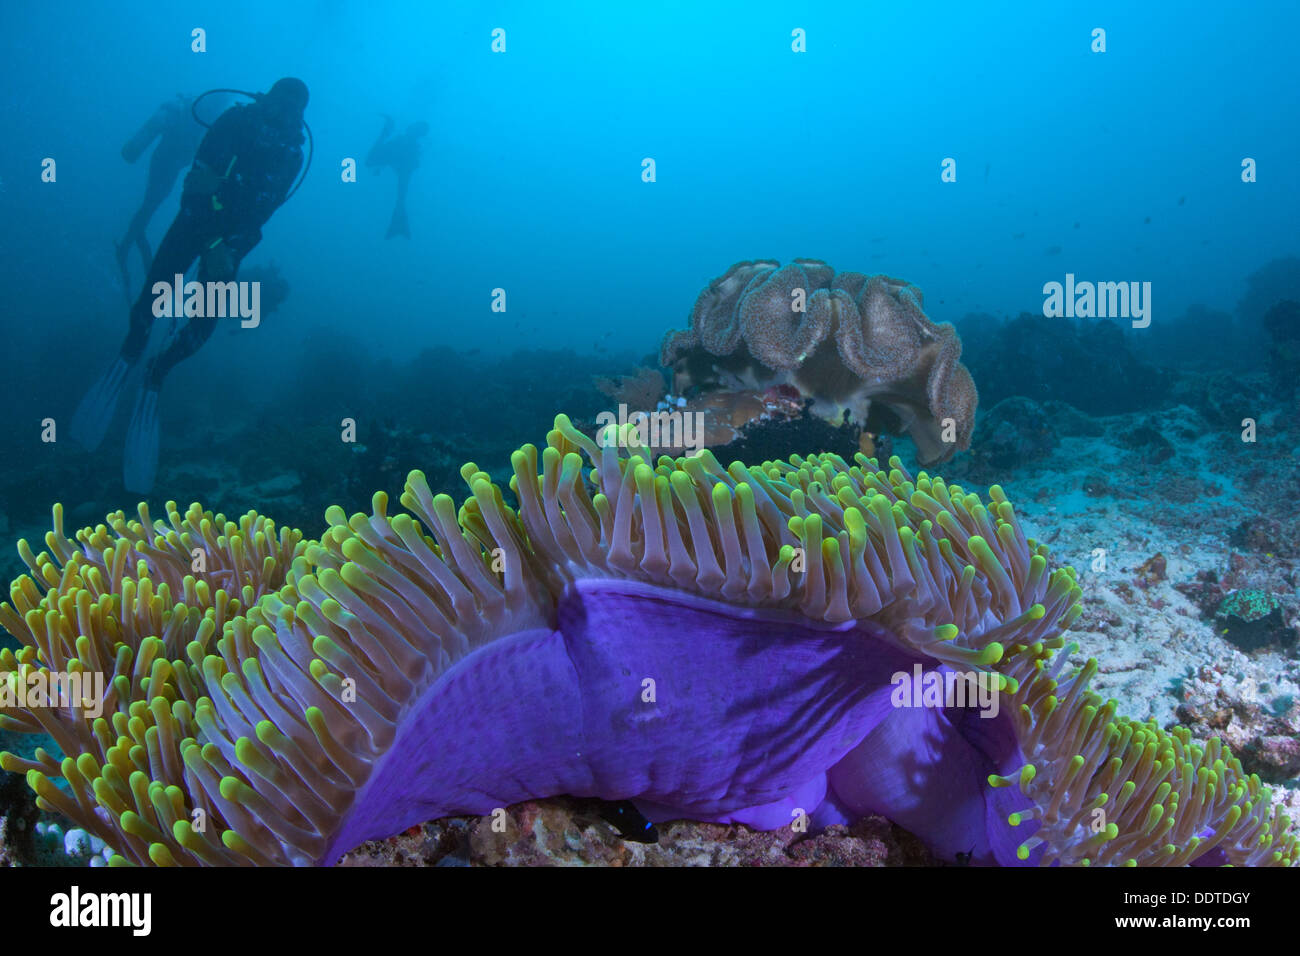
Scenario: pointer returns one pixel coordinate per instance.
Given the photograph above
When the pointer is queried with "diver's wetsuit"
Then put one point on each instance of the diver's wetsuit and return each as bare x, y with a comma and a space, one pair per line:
402, 153
177, 134
253, 164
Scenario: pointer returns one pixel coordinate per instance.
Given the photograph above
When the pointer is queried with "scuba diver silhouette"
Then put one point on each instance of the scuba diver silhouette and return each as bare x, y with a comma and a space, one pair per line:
243, 171
178, 133
402, 153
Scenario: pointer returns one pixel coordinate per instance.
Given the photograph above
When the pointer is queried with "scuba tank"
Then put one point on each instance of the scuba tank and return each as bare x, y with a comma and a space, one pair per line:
256, 97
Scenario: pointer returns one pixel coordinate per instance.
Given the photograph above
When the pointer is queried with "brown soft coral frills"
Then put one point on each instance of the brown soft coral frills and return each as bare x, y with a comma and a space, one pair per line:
846, 339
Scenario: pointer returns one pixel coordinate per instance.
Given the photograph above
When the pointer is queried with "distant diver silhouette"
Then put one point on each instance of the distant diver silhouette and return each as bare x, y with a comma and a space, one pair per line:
244, 170
178, 134
402, 154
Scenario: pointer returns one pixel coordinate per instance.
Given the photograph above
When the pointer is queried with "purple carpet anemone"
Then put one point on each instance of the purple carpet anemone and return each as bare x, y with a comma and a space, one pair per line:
850, 341
714, 644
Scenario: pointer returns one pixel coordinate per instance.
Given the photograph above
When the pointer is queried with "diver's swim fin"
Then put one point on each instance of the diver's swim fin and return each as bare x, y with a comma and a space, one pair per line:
398, 226
140, 459
95, 413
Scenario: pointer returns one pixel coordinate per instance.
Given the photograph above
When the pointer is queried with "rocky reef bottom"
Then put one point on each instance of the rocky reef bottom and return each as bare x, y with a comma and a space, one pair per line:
568, 832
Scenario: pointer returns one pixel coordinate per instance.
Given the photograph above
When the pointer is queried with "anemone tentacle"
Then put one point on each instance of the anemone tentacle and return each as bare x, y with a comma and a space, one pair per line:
261, 687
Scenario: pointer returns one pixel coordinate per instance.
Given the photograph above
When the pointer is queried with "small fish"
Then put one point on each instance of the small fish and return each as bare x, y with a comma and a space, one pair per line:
1146, 221
1052, 251
1019, 235
628, 821
1076, 225
472, 352
1181, 200
877, 238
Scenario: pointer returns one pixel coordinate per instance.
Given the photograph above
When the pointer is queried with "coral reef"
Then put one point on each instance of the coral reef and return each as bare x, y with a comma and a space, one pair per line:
1251, 618
782, 426
1009, 435
1201, 337
641, 389
1091, 364
75, 847
1149, 444
566, 832
722, 415
1273, 282
735, 424
306, 696
854, 343
1282, 323
1267, 740
1222, 398
18, 836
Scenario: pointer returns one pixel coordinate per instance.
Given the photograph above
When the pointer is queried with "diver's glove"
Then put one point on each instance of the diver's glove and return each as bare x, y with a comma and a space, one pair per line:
201, 181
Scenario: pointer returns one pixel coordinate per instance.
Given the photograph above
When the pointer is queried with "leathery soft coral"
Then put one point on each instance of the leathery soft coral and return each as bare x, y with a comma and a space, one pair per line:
848, 340
715, 644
